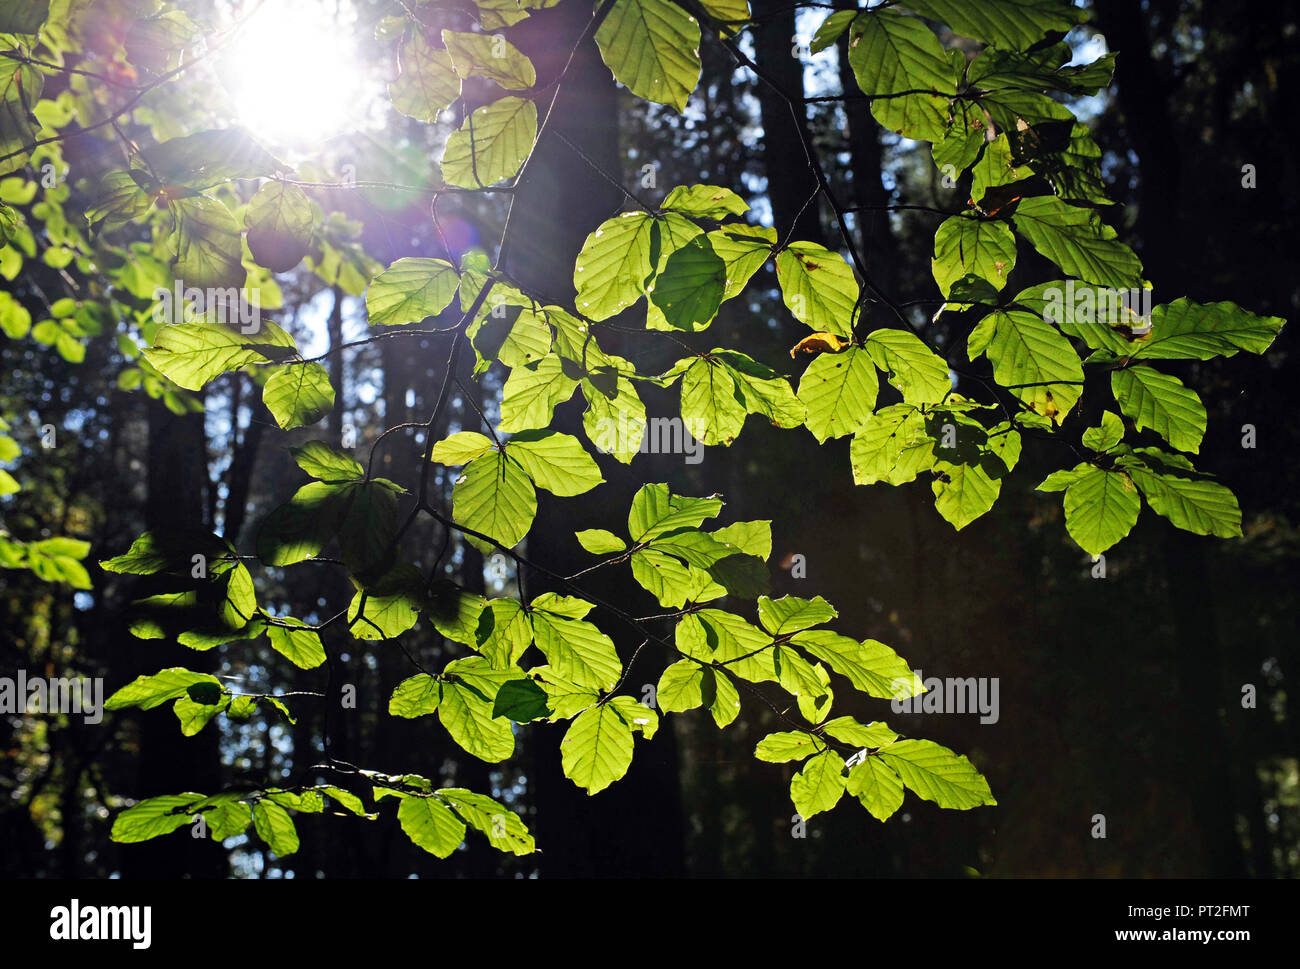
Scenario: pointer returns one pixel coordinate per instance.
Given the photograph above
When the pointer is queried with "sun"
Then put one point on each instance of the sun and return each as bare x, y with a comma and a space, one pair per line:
295, 74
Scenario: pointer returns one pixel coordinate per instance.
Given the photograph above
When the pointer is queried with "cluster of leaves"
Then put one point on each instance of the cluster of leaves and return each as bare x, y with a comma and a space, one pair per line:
995, 118
49, 559
436, 820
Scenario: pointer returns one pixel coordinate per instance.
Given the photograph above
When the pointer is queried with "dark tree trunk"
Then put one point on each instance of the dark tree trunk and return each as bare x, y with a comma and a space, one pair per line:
634, 828
169, 762
790, 181
1144, 93
875, 233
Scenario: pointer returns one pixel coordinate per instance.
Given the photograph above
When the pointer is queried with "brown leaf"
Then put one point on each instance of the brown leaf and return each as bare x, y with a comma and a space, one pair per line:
821, 343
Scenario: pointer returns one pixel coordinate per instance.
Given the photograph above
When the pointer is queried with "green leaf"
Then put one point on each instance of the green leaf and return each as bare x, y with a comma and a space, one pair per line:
839, 390
862, 735
998, 164
191, 354
468, 717
689, 288
791, 614
743, 249
1101, 507
963, 492
869, 665
1094, 315
1046, 67
892, 54
194, 716
207, 251
461, 448
920, 375
1184, 330
415, 696
298, 394
391, 604
725, 703
564, 699
326, 463
427, 84
780, 748
575, 649
118, 200
715, 568
681, 687
937, 774
301, 527
762, 390
1078, 241
170, 551
23, 16
670, 580
831, 28
505, 830
714, 636
1192, 503
727, 12
615, 418
208, 158
274, 826
704, 201
153, 817
597, 749
1032, 360
70, 348
410, 290
514, 340
636, 715
20, 89
893, 446
1161, 402
818, 287
878, 788
147, 692
455, 612
279, 222
15, 320
369, 526
686, 685
966, 246
819, 785
532, 393
495, 496
652, 48
504, 632
598, 541
1003, 23
1106, 435
347, 800
521, 701
301, 646
492, 143
613, 265
491, 57
431, 825
711, 404
227, 819
656, 512
808, 682
557, 462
